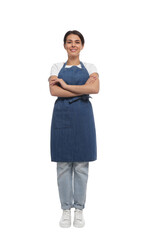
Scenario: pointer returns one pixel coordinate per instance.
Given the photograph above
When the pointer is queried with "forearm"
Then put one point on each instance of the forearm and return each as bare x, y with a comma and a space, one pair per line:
81, 89
65, 90
60, 92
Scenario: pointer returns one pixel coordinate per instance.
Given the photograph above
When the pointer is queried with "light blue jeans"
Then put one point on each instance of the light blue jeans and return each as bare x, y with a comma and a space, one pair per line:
72, 184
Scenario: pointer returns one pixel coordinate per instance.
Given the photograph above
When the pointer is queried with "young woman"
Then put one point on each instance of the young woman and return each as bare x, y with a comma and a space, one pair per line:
73, 134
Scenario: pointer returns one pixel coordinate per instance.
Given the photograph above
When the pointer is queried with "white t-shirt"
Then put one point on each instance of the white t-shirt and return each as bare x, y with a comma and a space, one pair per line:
55, 69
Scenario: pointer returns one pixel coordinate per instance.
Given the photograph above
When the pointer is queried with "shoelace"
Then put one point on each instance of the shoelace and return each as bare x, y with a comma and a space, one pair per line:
78, 214
66, 215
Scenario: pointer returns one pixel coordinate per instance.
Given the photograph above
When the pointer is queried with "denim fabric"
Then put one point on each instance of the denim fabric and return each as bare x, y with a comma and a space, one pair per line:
73, 133
72, 184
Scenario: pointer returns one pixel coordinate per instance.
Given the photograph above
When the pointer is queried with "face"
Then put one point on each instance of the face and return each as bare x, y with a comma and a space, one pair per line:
73, 45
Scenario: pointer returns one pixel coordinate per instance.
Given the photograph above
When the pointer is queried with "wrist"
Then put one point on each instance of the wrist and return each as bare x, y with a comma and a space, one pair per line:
66, 87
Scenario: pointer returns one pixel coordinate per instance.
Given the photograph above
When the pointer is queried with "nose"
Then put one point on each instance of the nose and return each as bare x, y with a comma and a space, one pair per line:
73, 44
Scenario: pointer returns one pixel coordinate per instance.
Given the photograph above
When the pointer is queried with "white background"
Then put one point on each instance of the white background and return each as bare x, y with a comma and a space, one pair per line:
31, 42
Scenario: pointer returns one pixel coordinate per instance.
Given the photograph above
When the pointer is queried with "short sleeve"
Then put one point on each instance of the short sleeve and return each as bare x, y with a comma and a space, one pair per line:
92, 69
54, 70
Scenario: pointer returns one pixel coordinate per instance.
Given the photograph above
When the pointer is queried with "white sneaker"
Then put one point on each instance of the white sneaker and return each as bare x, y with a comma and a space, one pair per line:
78, 218
65, 220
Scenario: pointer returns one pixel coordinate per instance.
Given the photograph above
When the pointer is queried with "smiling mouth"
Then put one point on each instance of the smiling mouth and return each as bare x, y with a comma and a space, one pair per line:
73, 50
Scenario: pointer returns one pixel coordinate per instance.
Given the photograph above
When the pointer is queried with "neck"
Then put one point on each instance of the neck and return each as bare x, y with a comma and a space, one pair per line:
73, 61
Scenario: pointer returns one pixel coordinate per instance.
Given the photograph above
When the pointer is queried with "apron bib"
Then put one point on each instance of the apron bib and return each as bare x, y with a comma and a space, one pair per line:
73, 133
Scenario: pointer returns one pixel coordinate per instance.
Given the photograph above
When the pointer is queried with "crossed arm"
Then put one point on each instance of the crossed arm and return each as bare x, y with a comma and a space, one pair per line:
65, 90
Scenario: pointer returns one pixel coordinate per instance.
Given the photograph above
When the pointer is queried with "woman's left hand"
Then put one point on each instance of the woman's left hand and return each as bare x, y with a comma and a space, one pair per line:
58, 80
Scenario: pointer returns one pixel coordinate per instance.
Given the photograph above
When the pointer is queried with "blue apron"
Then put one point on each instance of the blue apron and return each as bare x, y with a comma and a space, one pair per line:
73, 133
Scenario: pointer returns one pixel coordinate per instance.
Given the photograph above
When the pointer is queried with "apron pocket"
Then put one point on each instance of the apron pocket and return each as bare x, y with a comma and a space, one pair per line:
62, 118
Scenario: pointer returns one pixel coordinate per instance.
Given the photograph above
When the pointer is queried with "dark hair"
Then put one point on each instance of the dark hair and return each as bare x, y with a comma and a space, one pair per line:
76, 33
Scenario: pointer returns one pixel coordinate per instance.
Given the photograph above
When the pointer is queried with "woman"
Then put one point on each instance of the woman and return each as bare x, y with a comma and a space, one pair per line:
73, 135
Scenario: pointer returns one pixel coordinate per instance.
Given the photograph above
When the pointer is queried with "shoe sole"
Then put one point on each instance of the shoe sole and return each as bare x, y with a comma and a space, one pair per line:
77, 226
64, 226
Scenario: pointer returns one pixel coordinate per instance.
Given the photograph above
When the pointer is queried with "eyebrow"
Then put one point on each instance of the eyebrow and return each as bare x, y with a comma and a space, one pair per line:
71, 40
